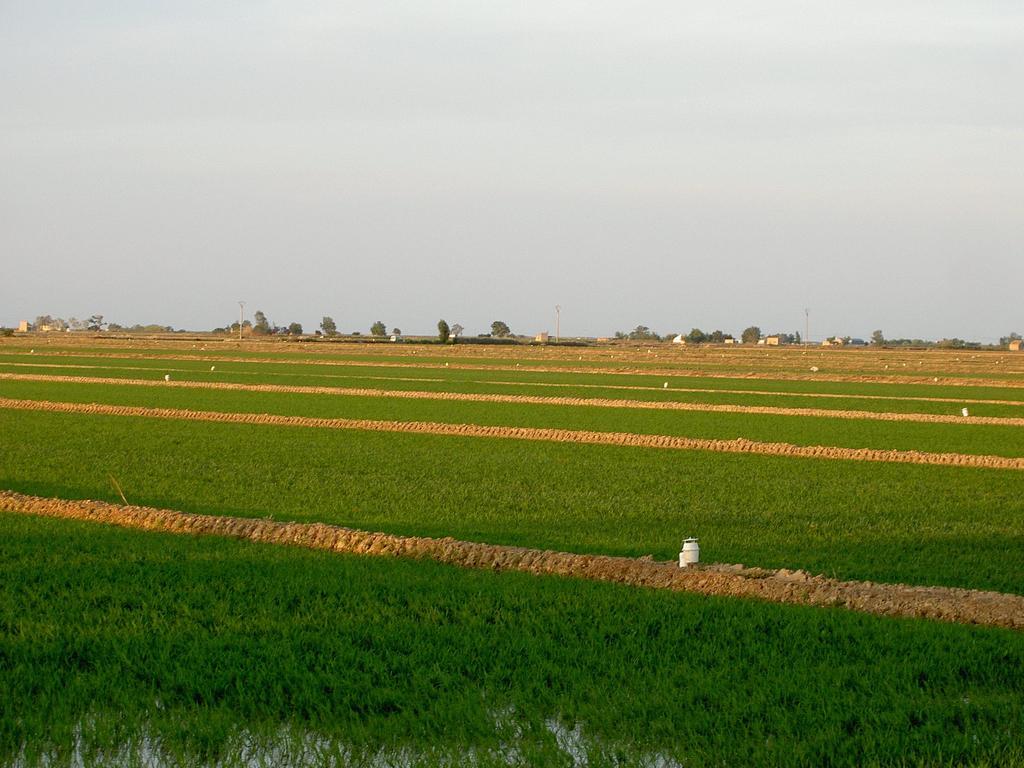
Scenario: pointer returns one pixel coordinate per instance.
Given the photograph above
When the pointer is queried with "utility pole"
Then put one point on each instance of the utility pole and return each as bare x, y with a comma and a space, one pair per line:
241, 317
807, 325
558, 322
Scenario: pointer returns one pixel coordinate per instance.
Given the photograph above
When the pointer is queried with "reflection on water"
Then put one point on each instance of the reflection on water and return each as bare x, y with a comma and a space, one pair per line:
558, 744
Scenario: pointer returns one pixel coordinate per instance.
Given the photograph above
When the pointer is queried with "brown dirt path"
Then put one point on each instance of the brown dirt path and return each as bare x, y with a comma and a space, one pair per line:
927, 418
963, 606
623, 369
739, 445
959, 401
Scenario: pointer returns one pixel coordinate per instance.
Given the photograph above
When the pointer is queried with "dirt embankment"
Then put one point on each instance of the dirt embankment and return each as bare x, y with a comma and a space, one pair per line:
739, 445
628, 366
928, 418
947, 604
958, 401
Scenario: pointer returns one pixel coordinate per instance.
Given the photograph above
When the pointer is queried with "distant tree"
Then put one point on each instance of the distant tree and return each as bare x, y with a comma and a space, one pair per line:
696, 336
151, 328
262, 326
621, 335
457, 331
378, 329
751, 335
877, 338
295, 329
95, 323
500, 329
328, 326
1005, 340
115, 327
643, 333
716, 337
797, 338
443, 331
396, 331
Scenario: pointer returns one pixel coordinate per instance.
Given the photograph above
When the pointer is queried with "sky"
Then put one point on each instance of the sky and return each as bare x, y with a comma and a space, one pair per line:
712, 164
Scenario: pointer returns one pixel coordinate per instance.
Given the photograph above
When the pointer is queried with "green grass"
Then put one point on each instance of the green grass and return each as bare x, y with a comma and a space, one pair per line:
201, 643
432, 381
659, 357
798, 430
298, 372
884, 522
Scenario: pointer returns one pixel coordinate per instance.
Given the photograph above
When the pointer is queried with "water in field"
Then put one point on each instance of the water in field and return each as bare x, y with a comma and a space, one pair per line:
558, 744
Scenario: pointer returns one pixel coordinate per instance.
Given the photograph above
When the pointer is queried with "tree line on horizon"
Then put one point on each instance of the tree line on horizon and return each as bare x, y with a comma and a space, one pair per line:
750, 335
262, 326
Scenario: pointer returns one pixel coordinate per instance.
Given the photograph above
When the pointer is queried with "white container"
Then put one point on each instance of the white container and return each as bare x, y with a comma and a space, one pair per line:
690, 553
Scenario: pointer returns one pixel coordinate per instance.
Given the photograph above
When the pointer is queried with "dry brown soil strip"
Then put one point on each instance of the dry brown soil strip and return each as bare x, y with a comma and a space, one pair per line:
739, 445
963, 606
621, 370
625, 387
928, 418
757, 392
433, 379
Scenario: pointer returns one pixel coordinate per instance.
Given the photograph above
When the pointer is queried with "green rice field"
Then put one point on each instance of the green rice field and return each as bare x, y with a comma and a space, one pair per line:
207, 641
120, 646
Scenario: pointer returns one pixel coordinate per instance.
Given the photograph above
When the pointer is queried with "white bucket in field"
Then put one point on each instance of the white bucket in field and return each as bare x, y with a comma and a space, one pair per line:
690, 553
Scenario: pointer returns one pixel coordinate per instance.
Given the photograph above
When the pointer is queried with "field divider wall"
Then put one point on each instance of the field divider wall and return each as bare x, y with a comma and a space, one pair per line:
782, 586
621, 370
961, 401
626, 439
763, 410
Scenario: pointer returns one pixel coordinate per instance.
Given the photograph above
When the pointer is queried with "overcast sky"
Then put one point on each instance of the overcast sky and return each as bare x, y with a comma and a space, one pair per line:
674, 164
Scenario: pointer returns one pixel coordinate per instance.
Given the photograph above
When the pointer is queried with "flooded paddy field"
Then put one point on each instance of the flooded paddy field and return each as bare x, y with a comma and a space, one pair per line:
126, 646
